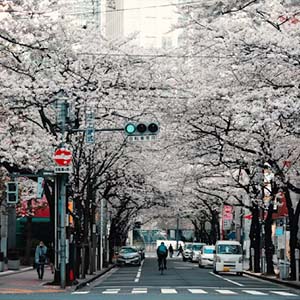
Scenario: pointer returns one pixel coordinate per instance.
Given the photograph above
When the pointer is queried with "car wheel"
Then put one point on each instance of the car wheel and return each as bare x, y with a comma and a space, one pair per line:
183, 258
200, 266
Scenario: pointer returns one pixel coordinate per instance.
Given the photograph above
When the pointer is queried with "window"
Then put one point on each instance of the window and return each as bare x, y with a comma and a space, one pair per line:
229, 249
166, 42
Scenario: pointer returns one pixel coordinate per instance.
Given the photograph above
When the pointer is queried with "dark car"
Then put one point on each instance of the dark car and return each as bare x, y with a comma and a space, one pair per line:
129, 256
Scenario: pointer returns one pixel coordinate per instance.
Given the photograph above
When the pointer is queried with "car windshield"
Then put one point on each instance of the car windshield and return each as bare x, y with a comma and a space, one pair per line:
229, 249
197, 247
188, 246
128, 250
208, 251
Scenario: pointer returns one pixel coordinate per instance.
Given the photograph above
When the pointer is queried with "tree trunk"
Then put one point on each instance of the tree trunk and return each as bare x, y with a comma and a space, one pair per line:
255, 238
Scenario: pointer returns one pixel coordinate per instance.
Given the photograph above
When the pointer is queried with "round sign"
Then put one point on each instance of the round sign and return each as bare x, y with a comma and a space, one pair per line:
63, 157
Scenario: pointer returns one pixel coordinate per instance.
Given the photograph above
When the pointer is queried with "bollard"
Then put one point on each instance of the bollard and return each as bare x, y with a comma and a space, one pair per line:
263, 256
252, 258
297, 256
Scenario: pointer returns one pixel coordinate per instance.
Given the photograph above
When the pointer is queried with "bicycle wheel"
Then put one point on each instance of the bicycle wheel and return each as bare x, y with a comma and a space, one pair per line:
161, 270
161, 267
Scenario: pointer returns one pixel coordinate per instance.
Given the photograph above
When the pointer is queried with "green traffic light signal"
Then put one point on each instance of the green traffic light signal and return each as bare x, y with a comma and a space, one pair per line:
141, 129
130, 128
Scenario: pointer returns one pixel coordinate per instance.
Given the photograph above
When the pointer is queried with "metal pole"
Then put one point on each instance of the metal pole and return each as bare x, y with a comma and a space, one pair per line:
56, 231
297, 256
252, 258
63, 231
263, 257
101, 233
177, 231
284, 257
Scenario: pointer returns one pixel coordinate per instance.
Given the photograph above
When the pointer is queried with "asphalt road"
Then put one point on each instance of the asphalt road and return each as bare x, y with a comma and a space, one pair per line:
181, 281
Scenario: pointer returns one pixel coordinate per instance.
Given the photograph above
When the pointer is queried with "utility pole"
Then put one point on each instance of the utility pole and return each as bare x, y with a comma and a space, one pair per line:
62, 178
177, 231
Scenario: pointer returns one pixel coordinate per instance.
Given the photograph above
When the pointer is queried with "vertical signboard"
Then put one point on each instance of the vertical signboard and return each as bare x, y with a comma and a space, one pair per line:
227, 217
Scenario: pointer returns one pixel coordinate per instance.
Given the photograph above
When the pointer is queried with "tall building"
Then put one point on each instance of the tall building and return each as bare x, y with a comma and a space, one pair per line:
149, 21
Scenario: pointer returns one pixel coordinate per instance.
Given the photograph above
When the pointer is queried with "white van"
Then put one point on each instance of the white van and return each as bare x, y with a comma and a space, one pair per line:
228, 257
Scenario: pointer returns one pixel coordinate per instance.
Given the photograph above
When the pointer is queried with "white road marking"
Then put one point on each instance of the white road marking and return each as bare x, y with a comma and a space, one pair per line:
138, 275
168, 291
111, 291
283, 293
81, 292
256, 293
139, 291
226, 279
197, 291
226, 292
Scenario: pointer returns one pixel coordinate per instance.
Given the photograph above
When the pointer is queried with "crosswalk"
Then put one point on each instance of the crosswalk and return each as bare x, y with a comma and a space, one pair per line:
199, 291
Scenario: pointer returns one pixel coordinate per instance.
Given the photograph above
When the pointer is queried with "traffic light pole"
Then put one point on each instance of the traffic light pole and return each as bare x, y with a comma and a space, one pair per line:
62, 227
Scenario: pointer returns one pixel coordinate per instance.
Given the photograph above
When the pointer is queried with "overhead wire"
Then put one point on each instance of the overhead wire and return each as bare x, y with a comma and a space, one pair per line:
100, 11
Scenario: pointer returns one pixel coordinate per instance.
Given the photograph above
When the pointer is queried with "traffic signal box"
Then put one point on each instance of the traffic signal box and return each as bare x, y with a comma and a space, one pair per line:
141, 131
12, 192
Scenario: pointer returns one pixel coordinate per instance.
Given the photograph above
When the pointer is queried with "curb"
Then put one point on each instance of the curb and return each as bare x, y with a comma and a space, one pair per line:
11, 272
84, 283
274, 280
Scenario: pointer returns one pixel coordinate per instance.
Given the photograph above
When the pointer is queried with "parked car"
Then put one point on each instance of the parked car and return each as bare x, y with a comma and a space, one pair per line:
228, 257
187, 251
128, 256
196, 251
206, 257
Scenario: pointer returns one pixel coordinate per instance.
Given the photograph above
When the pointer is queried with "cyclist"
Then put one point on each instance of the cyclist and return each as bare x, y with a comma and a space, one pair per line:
162, 253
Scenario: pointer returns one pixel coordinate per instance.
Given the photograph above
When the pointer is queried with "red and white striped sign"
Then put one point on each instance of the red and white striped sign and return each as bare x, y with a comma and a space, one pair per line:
63, 157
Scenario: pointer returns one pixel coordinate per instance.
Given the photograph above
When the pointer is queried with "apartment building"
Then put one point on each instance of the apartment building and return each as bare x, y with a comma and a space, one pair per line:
150, 22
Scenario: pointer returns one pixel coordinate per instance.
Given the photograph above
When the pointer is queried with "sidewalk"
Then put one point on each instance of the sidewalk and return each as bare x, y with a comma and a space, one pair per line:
275, 279
272, 278
26, 281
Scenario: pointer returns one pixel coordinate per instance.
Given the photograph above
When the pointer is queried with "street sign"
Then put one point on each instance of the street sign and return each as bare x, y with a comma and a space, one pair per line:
63, 157
90, 135
40, 188
63, 170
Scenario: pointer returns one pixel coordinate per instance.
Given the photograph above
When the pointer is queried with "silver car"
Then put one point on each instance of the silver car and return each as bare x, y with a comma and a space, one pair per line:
187, 252
129, 256
196, 251
206, 257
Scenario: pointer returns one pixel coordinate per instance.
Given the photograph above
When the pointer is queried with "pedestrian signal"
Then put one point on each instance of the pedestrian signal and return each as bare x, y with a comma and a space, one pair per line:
12, 192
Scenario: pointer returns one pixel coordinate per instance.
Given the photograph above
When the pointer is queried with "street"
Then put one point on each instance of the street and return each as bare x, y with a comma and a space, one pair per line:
181, 280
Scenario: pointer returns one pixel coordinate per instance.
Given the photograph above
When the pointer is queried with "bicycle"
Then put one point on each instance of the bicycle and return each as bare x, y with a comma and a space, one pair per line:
161, 265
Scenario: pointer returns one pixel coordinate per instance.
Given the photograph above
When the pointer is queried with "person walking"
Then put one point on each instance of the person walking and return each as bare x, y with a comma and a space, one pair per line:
171, 251
180, 250
40, 258
162, 254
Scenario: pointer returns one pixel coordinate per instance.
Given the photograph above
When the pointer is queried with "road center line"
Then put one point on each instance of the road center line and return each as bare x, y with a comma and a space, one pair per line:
138, 275
231, 281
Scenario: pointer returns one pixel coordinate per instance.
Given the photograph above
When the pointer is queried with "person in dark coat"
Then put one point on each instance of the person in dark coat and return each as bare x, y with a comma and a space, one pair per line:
171, 251
180, 250
40, 259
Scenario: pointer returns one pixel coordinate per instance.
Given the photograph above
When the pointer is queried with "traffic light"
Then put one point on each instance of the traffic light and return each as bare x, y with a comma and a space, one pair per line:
12, 192
142, 131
